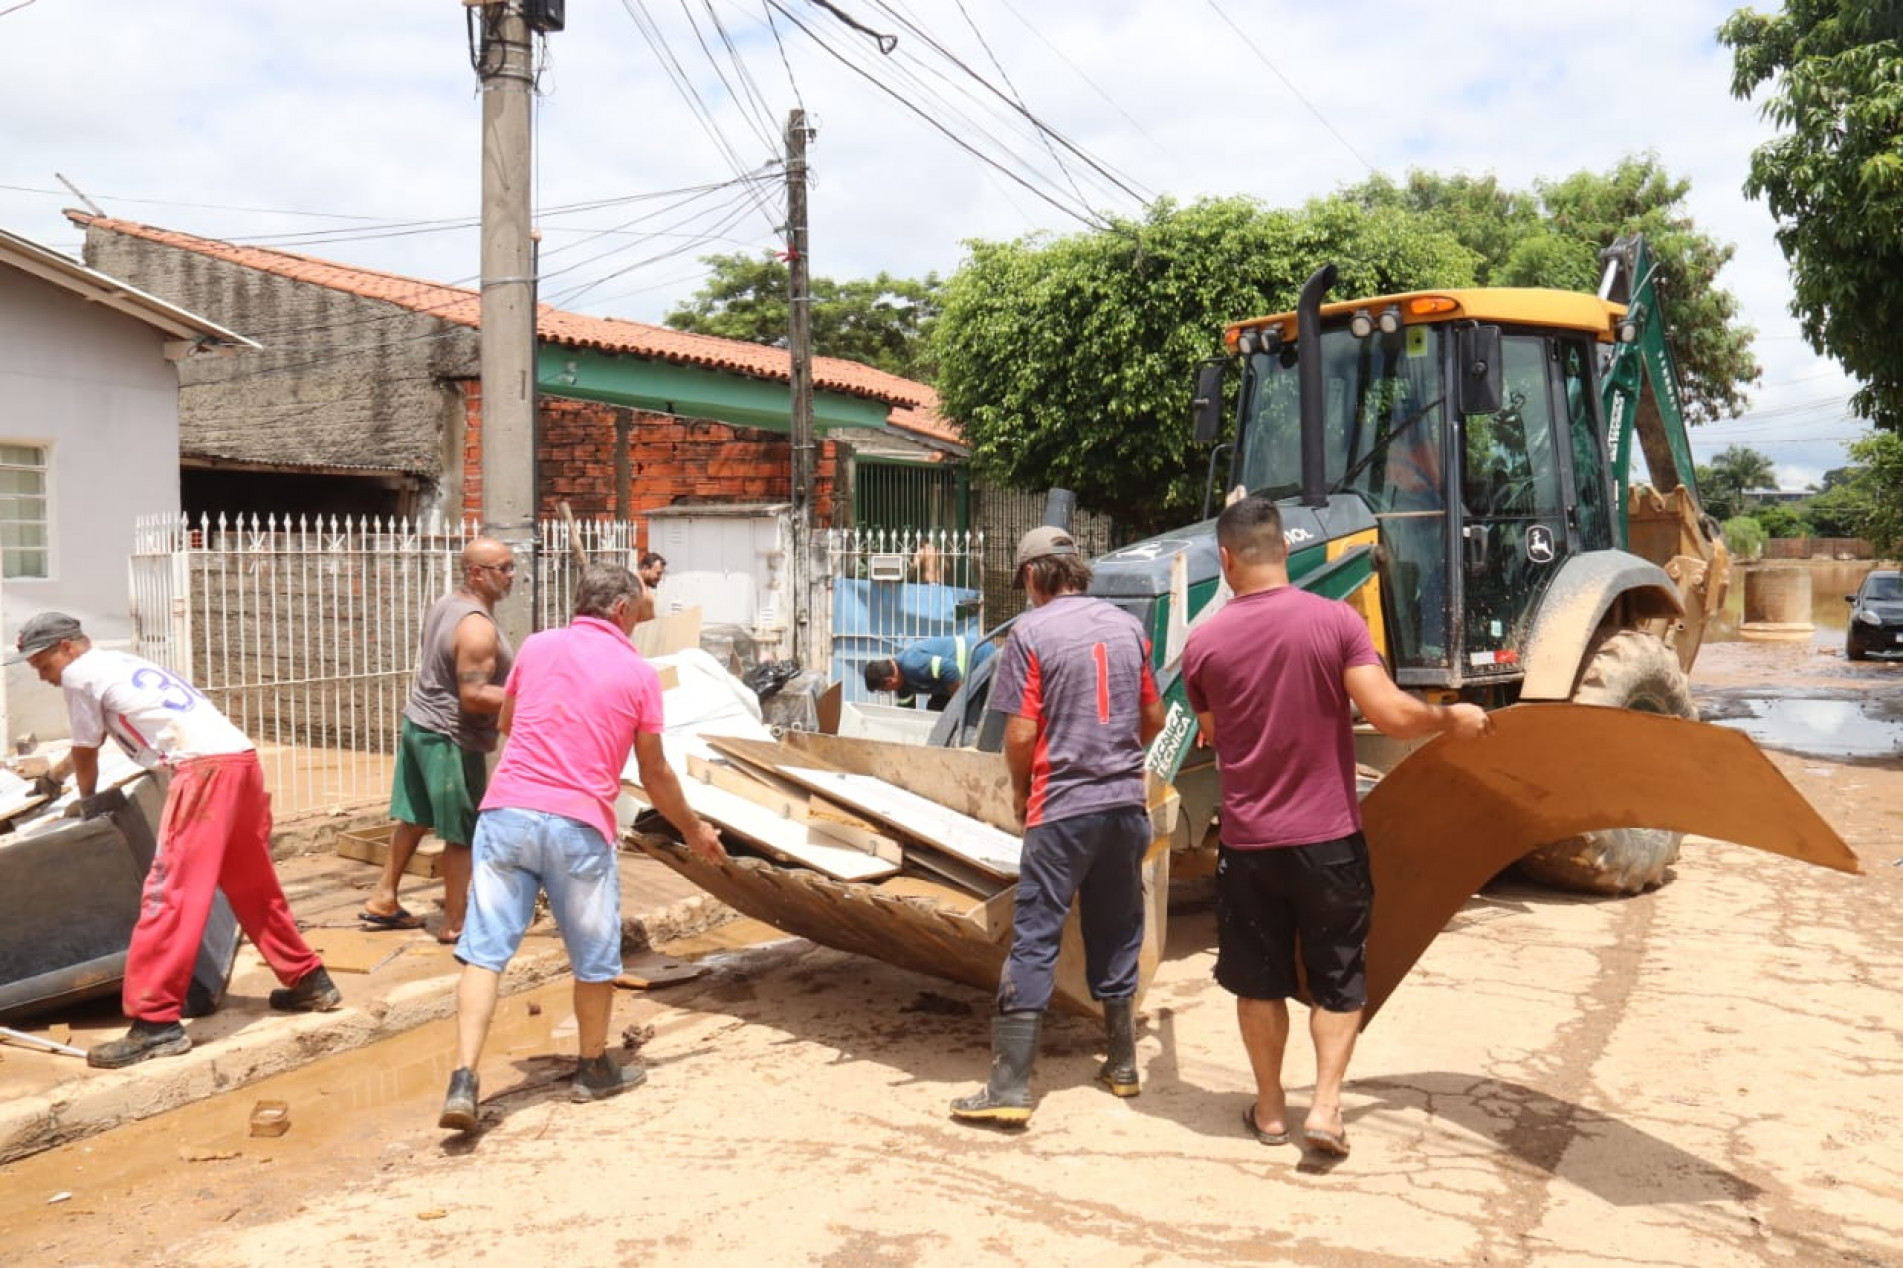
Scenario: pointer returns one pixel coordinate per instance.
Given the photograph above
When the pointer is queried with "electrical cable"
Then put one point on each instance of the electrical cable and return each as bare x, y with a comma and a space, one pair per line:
1290, 85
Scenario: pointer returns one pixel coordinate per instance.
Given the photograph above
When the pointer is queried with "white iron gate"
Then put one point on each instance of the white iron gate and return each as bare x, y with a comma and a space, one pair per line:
890, 589
305, 632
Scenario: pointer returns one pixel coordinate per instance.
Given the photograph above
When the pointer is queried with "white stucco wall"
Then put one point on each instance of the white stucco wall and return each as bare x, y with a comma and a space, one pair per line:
92, 385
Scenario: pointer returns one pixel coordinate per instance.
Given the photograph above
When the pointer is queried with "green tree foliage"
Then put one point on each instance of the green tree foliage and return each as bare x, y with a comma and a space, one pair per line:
1552, 236
1743, 537
1781, 521
1068, 360
882, 321
1881, 482
1723, 483
1833, 178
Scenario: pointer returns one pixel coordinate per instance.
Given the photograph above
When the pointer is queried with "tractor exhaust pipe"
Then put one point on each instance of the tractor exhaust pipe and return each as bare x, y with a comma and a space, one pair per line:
1308, 337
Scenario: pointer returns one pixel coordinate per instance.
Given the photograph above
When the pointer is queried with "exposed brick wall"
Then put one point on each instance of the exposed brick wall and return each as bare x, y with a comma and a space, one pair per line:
672, 461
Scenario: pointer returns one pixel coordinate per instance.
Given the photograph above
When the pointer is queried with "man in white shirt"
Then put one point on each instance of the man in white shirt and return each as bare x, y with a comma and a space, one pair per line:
215, 832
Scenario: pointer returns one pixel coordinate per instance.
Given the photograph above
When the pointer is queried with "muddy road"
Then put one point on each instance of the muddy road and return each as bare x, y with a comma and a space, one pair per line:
1709, 1074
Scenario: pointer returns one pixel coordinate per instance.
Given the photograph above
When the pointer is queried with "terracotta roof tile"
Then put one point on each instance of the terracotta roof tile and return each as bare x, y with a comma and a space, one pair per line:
915, 405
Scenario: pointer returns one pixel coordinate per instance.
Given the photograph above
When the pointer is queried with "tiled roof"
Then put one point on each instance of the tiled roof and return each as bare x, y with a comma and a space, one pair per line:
915, 404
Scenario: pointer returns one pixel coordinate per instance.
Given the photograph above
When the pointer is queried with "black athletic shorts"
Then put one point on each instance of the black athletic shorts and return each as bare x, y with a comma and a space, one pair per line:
1268, 900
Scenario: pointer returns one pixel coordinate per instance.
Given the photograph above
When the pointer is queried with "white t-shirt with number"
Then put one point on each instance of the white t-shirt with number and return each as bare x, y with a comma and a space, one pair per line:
157, 717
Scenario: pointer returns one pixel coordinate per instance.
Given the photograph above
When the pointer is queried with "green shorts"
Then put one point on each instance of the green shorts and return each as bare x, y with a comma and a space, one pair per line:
438, 784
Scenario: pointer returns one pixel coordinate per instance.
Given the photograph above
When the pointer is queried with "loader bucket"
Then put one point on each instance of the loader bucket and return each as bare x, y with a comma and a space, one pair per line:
1451, 815
960, 931
1668, 530
917, 924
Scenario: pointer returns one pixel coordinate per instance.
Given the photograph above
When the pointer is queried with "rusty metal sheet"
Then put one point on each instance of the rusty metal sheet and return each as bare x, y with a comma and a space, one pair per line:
1453, 814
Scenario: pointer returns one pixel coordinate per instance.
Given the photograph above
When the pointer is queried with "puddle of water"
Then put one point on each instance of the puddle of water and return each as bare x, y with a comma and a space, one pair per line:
1819, 728
329, 1103
1829, 582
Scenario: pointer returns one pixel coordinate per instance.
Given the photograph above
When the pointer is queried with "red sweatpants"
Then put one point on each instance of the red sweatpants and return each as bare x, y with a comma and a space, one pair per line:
215, 834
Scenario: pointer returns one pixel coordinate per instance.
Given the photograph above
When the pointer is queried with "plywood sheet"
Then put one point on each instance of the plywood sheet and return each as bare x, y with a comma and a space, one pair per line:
787, 839
970, 782
969, 839
665, 635
1454, 813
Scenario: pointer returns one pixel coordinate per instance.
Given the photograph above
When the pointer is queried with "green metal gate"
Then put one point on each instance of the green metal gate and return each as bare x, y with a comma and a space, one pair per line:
910, 496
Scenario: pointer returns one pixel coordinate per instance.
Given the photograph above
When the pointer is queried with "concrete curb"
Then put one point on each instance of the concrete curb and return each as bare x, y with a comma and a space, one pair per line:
96, 1101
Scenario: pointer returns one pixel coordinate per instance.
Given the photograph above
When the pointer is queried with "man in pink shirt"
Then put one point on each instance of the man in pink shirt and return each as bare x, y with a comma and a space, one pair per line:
578, 698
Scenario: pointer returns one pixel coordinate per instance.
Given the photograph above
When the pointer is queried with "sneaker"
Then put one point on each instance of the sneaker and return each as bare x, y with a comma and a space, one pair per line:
598, 1078
459, 1107
145, 1039
312, 993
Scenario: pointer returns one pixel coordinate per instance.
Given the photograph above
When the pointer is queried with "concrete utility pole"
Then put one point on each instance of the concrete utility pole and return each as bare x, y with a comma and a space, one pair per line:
508, 305
800, 339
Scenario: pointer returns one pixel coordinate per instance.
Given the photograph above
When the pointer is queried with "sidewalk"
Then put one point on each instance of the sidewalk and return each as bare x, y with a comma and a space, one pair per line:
391, 981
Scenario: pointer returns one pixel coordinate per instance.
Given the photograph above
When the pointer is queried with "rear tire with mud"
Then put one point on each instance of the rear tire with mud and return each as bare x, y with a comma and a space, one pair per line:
1627, 670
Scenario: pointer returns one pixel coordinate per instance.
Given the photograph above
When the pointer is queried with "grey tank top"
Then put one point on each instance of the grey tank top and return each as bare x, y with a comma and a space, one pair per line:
435, 704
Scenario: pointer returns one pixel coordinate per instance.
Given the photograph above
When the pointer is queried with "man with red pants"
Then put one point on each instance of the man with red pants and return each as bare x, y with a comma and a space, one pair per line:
215, 832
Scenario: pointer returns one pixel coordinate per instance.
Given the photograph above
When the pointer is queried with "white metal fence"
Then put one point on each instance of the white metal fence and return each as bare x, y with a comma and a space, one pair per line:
305, 633
890, 589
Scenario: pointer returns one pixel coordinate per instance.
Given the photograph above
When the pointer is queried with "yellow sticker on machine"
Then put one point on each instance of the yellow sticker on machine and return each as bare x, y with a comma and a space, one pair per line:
1417, 341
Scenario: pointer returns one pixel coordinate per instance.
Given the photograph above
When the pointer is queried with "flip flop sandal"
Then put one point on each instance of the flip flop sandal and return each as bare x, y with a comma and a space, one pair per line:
398, 919
1335, 1144
1262, 1137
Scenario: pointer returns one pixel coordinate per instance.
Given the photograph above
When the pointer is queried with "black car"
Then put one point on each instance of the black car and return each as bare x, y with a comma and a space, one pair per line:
1876, 615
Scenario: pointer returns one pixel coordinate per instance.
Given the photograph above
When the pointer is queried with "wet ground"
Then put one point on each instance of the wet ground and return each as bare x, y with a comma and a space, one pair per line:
1803, 697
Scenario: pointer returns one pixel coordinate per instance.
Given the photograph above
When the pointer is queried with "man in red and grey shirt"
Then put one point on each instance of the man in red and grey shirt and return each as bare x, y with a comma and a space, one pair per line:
1076, 681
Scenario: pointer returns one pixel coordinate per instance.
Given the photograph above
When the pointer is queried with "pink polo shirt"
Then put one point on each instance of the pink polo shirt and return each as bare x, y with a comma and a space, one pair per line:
581, 695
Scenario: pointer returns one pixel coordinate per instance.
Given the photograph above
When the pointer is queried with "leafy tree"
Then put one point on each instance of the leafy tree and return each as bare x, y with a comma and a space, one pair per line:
1552, 234
1833, 178
882, 321
1724, 482
1743, 537
1881, 456
1778, 520
1068, 360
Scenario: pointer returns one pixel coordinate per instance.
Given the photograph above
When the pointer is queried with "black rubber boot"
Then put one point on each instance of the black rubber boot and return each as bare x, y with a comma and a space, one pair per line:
459, 1106
1119, 1072
1006, 1098
313, 993
144, 1039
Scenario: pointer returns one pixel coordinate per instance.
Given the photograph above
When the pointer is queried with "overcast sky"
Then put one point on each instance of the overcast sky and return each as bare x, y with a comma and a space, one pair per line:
352, 132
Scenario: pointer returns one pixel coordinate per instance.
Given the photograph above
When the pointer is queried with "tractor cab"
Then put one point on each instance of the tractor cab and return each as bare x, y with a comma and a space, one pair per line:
1468, 423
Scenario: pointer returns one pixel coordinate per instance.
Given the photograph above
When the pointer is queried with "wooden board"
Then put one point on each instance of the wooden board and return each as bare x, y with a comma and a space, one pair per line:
667, 634
372, 845
970, 782
651, 968
786, 839
966, 844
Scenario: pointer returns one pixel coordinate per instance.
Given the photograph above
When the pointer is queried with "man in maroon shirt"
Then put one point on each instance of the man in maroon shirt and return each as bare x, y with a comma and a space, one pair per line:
1270, 676
1075, 679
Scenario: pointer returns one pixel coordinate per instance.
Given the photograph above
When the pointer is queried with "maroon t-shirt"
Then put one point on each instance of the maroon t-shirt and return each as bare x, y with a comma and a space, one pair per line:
1270, 666
1081, 668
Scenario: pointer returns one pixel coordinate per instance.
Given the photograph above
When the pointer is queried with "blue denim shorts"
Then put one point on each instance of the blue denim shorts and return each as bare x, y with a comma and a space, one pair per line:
518, 852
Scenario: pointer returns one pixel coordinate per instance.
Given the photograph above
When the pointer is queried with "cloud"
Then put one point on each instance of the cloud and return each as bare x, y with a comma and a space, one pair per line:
266, 105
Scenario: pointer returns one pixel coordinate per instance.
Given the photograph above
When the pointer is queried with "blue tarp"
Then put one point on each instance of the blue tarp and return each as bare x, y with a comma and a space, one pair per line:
876, 619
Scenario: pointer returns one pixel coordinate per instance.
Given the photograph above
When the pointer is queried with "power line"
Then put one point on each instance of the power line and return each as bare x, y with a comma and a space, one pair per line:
1086, 217
1290, 85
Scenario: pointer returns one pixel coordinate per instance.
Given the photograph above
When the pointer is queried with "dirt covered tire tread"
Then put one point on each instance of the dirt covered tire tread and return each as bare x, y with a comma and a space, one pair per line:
1627, 670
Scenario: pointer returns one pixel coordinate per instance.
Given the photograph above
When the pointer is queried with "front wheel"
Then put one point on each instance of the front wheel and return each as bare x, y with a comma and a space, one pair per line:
1627, 670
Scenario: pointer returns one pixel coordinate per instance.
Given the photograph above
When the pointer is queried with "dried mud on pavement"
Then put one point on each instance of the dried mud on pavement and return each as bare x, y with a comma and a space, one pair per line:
1709, 1074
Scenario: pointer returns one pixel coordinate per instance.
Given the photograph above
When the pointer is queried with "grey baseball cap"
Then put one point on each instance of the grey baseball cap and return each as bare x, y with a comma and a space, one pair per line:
48, 629
1040, 543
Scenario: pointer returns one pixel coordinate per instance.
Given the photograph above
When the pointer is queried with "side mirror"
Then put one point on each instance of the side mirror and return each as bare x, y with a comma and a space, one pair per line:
1206, 409
1477, 383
